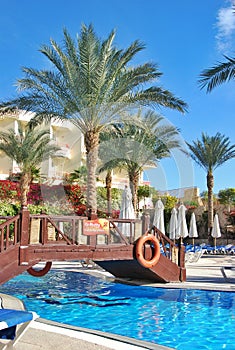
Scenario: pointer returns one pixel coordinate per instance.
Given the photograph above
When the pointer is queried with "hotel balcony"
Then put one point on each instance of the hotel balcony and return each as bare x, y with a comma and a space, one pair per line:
64, 151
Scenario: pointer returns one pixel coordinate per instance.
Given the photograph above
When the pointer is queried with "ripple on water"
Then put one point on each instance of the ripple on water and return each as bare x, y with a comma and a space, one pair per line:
181, 319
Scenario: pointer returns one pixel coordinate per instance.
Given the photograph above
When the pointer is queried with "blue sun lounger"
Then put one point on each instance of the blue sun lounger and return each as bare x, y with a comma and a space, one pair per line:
13, 324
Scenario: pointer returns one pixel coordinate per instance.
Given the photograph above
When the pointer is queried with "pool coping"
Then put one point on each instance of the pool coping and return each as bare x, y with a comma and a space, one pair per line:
99, 337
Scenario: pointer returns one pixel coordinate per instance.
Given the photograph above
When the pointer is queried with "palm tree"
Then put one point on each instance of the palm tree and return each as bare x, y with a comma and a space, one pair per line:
28, 148
78, 175
105, 137
227, 197
90, 83
220, 73
134, 146
211, 152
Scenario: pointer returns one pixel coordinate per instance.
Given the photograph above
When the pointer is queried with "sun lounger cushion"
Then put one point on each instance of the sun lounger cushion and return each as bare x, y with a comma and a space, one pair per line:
9, 319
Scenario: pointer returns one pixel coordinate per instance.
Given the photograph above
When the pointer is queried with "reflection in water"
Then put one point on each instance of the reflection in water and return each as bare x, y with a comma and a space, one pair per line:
157, 315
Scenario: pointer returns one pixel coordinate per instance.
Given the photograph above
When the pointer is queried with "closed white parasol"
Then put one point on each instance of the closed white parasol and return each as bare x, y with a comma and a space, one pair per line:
127, 211
182, 225
193, 227
215, 233
173, 226
158, 220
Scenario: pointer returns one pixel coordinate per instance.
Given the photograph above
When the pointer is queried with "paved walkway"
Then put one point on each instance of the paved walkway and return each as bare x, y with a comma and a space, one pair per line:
212, 272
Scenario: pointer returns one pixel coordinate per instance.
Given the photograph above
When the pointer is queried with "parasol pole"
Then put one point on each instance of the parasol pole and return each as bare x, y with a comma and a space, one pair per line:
215, 244
193, 244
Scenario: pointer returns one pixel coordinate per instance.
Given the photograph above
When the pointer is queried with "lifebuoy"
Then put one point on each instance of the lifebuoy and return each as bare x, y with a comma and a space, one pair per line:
139, 250
42, 272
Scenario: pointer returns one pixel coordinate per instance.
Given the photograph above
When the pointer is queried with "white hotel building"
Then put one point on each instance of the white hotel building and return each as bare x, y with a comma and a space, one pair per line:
67, 137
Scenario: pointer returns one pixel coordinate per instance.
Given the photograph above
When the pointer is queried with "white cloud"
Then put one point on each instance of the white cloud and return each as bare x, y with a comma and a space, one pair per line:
226, 27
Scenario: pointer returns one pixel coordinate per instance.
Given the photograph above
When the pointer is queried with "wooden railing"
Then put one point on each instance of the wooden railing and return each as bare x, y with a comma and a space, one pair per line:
27, 228
27, 239
172, 251
9, 232
45, 229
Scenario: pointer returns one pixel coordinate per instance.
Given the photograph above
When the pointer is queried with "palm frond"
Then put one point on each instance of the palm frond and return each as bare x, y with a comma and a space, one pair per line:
90, 72
135, 145
211, 151
91, 83
29, 147
156, 96
220, 73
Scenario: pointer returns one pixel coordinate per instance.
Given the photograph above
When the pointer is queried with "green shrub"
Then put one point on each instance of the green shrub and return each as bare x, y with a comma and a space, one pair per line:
8, 209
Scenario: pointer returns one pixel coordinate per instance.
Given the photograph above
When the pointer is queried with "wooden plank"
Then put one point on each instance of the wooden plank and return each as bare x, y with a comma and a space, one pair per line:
163, 271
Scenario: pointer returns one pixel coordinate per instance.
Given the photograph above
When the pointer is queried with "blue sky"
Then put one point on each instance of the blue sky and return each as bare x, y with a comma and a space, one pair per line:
183, 37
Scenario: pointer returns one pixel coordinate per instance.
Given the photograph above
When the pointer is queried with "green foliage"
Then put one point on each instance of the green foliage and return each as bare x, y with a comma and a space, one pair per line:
191, 204
143, 192
101, 192
36, 176
28, 148
141, 141
154, 194
116, 193
204, 196
227, 196
90, 82
102, 198
8, 209
87, 73
220, 73
78, 175
169, 202
212, 151
57, 199
56, 208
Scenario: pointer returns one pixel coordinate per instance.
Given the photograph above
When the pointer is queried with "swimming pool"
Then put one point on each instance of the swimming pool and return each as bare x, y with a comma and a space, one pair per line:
178, 318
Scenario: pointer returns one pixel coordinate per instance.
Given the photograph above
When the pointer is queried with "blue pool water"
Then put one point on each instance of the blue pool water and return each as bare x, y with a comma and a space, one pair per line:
178, 318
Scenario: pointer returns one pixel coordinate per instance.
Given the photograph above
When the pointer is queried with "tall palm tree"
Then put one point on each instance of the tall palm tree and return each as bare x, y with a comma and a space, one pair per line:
105, 137
90, 83
28, 148
134, 146
220, 73
211, 152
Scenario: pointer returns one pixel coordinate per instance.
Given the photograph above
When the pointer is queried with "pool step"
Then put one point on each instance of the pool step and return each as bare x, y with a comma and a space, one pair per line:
164, 271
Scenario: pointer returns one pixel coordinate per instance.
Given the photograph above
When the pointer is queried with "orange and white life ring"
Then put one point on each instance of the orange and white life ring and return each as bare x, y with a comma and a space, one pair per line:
42, 272
139, 250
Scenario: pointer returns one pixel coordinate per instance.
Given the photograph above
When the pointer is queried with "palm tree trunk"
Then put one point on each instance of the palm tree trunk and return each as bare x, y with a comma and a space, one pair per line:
108, 181
91, 140
134, 182
24, 188
210, 185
